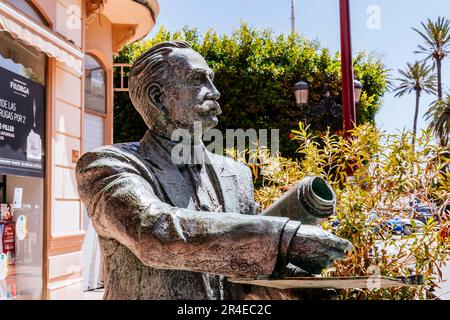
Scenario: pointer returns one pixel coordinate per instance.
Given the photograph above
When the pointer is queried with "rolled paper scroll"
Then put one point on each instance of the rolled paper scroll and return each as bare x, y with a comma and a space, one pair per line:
310, 201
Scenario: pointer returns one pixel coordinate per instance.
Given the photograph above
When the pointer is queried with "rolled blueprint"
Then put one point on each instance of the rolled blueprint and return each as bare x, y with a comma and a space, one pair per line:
310, 201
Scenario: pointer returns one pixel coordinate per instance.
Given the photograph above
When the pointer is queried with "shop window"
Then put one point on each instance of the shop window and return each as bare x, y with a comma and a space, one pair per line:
22, 159
93, 137
22, 59
95, 85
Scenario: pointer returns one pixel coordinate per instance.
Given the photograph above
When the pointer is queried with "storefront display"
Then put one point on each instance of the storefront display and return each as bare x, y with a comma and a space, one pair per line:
21, 233
7, 234
22, 125
3, 261
56, 102
21, 227
7, 259
7, 279
6, 212
22, 170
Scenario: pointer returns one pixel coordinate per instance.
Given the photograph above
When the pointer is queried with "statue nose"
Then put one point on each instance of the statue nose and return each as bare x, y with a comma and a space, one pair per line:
214, 94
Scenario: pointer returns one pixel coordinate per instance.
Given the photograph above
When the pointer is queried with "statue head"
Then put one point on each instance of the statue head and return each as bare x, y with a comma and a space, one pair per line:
171, 86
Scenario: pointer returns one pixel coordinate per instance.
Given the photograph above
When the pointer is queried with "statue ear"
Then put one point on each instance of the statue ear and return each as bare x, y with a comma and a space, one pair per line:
155, 94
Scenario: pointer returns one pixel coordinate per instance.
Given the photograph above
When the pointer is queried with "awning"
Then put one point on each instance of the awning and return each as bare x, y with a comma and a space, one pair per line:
40, 38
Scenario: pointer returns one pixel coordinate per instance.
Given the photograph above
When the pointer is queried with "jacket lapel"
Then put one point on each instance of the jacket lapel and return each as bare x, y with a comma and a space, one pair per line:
174, 184
167, 173
226, 177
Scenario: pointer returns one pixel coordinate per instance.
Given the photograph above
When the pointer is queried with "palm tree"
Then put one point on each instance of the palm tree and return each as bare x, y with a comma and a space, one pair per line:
416, 77
439, 117
437, 45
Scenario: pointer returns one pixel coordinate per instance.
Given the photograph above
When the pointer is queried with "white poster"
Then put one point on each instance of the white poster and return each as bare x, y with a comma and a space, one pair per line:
17, 202
21, 227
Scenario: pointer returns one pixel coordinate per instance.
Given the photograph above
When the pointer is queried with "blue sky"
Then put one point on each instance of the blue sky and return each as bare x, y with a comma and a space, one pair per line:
394, 41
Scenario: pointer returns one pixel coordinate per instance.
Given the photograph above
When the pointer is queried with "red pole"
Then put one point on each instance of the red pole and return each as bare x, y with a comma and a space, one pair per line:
348, 90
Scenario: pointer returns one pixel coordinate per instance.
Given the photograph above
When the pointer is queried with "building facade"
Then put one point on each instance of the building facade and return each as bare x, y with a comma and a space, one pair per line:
56, 102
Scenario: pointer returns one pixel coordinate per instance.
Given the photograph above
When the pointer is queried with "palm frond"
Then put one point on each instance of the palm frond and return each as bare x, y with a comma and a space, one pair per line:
436, 35
438, 116
416, 76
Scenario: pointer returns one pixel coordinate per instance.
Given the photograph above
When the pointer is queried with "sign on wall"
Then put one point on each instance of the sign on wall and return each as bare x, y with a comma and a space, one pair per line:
22, 125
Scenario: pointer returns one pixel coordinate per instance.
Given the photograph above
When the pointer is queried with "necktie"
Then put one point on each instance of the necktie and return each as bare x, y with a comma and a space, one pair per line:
205, 195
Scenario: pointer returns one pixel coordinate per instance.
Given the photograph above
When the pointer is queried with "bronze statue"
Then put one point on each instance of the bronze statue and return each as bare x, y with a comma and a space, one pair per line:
177, 230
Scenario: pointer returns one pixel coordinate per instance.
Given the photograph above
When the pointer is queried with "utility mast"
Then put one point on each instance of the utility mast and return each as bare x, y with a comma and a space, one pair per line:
292, 16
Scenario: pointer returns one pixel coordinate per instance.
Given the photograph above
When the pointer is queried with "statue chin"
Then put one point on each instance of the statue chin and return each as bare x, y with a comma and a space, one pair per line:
212, 123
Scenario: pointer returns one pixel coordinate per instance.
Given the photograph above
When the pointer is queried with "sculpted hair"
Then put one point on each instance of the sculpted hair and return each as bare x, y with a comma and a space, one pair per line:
150, 68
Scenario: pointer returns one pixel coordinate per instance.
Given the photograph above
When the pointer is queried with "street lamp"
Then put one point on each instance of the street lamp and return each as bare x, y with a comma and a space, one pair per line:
358, 90
301, 93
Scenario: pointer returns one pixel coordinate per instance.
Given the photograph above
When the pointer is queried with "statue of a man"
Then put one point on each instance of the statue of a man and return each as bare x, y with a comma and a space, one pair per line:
176, 230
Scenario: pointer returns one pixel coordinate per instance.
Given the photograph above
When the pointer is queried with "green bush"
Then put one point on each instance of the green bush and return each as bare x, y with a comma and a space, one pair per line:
255, 72
388, 174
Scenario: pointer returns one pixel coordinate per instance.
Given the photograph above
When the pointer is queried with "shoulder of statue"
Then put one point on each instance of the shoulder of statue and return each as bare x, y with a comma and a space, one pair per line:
119, 149
128, 147
122, 152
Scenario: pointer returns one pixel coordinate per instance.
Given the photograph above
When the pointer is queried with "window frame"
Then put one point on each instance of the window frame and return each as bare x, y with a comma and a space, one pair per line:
43, 19
91, 111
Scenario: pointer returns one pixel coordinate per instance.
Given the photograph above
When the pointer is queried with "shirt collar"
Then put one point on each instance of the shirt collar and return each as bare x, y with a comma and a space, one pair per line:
197, 151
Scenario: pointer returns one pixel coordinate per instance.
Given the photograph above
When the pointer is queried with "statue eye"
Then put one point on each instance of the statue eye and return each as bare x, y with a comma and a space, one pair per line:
197, 80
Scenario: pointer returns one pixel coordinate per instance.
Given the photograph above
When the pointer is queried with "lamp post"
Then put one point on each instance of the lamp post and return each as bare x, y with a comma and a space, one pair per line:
327, 105
348, 90
301, 93
292, 16
358, 90
351, 90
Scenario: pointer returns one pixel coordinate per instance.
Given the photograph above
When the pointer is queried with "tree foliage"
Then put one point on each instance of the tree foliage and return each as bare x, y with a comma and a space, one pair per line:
416, 77
438, 116
436, 35
255, 72
389, 174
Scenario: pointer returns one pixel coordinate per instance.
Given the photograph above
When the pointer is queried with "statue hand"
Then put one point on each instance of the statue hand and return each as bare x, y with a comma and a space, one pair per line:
314, 249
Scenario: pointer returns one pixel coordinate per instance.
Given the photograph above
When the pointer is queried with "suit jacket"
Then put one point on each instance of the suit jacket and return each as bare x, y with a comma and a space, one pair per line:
155, 245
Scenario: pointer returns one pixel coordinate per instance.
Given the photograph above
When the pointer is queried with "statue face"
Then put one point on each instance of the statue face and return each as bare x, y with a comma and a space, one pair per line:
189, 94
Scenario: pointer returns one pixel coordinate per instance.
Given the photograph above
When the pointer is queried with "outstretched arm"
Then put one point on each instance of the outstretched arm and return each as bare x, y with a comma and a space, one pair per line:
124, 207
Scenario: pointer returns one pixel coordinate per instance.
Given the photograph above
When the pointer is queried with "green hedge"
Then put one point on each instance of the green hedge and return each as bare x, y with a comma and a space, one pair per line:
255, 71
